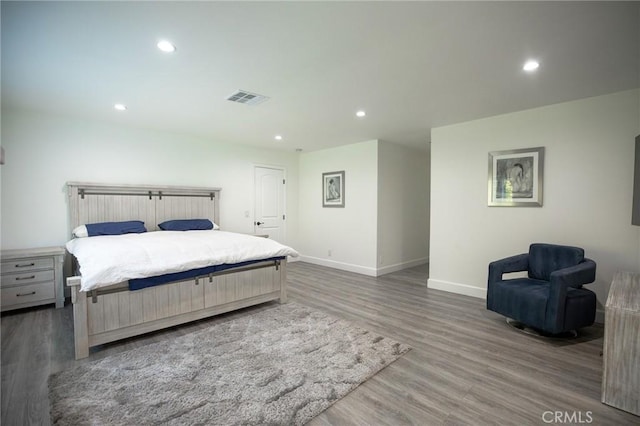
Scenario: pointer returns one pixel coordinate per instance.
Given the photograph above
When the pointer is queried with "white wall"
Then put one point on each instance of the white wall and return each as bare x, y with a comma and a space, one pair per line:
403, 207
588, 179
43, 152
384, 226
350, 233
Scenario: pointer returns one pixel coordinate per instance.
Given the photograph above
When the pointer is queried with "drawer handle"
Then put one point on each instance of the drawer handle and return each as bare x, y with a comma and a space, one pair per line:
25, 265
26, 294
25, 278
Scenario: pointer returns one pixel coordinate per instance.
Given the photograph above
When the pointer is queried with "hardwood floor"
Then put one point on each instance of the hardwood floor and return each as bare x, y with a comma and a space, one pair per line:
467, 366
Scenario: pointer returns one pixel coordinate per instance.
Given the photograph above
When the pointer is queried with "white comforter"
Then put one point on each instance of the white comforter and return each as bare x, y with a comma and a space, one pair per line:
111, 259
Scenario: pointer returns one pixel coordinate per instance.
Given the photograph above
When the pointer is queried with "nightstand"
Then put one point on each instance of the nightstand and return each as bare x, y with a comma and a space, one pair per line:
31, 277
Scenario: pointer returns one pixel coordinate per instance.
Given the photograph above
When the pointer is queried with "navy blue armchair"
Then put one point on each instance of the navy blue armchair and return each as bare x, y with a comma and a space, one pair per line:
551, 298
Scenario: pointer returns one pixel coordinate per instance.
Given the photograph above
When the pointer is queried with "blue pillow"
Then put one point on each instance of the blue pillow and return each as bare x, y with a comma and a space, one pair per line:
116, 228
186, 225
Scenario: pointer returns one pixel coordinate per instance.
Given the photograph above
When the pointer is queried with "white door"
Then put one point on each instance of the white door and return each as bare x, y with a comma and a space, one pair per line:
270, 203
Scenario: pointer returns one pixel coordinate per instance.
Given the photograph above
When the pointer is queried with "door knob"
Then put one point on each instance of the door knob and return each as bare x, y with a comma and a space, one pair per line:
259, 223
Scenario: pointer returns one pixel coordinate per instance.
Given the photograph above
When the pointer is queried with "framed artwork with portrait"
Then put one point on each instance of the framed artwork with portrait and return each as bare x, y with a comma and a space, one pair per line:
515, 177
333, 189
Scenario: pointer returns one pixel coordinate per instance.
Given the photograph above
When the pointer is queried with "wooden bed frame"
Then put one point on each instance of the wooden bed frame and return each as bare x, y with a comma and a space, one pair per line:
113, 313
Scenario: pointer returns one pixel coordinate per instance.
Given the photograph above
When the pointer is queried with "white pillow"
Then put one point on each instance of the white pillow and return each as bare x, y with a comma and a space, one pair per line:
80, 232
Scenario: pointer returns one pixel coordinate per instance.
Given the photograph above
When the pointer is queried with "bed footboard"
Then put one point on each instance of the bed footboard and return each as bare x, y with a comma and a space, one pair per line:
80, 332
111, 315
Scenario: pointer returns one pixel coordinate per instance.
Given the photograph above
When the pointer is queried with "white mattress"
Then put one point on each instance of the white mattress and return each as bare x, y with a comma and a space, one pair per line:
110, 259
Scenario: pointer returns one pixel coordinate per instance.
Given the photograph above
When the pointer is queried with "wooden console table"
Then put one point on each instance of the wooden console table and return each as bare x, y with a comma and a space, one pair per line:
621, 358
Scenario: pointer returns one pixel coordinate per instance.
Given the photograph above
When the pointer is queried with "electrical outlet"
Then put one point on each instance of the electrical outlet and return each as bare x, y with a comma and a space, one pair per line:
329, 253
246, 213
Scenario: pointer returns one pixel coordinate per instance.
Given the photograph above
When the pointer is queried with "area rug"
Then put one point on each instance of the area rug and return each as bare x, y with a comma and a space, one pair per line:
280, 366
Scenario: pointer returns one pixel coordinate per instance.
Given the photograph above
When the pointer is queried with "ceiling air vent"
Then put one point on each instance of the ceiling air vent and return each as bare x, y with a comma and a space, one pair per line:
247, 98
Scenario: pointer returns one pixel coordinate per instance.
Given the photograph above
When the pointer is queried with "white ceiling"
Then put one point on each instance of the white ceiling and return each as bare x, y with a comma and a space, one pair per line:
412, 66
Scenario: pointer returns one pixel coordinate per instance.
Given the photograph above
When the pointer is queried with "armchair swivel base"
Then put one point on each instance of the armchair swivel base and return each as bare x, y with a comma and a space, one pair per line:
524, 328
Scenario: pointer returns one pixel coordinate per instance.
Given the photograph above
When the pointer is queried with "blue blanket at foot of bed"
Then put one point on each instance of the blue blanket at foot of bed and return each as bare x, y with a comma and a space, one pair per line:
140, 283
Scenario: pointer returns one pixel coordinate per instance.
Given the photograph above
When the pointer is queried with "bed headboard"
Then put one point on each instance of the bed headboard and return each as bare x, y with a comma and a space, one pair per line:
153, 204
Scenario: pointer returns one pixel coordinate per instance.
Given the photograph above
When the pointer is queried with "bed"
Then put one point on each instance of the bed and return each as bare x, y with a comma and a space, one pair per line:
108, 311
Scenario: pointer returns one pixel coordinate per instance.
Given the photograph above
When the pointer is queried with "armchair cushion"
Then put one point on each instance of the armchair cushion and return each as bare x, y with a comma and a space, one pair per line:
547, 258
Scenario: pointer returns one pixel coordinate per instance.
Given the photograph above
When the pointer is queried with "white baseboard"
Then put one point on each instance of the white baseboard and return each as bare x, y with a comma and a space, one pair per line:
467, 290
364, 270
400, 266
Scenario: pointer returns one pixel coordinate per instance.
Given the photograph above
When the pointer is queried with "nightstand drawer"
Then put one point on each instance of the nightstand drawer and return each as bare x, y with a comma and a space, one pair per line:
27, 277
28, 294
20, 265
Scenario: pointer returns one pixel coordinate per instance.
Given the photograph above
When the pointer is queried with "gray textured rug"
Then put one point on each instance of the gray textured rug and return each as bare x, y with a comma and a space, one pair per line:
279, 366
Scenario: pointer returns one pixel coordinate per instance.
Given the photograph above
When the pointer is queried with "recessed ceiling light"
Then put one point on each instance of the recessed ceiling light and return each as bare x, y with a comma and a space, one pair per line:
166, 46
531, 65
278, 137
361, 113
120, 107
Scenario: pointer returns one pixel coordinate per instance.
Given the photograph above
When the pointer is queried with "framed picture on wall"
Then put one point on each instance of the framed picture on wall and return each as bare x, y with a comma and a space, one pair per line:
515, 177
333, 189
